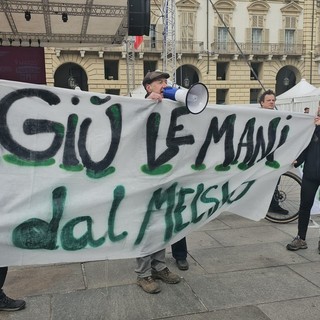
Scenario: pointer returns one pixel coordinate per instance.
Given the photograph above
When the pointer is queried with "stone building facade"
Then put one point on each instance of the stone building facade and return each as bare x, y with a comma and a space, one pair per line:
236, 48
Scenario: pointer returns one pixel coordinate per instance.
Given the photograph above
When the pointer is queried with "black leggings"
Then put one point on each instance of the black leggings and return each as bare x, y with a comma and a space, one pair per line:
309, 188
3, 274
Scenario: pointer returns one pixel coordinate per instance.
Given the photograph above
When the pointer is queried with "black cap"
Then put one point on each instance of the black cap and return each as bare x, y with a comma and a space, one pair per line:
154, 75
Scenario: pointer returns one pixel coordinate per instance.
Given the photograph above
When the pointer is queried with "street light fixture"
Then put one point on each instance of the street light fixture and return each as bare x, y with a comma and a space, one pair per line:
186, 82
64, 17
72, 82
27, 15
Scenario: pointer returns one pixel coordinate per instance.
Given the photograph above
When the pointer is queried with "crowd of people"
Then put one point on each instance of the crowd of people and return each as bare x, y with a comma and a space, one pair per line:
153, 267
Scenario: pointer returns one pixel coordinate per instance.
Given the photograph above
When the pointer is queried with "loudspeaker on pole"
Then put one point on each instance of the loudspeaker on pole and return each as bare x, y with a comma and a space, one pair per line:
195, 99
138, 17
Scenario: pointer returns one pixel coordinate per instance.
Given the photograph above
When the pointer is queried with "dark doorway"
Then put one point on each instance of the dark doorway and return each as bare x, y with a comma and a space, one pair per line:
186, 75
286, 79
71, 75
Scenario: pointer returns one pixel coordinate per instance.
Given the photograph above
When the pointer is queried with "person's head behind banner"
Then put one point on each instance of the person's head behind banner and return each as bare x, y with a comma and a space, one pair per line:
155, 81
268, 100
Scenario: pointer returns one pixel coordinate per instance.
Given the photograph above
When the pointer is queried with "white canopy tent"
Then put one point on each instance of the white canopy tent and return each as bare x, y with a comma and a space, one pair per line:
302, 95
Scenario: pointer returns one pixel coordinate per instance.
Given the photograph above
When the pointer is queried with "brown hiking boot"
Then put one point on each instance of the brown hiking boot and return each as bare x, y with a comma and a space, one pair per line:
297, 244
148, 284
166, 276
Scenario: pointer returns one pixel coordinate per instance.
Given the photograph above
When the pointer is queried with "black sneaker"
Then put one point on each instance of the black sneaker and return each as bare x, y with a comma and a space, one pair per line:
278, 209
182, 264
8, 304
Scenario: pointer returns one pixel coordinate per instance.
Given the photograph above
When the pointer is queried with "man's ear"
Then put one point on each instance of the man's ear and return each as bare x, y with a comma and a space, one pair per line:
148, 88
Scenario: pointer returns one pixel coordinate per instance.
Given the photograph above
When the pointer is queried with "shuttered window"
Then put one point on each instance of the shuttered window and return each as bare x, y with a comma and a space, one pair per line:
187, 26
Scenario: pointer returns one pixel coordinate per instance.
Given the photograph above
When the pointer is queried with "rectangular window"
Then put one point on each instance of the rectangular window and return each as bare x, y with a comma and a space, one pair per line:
254, 95
115, 92
255, 71
256, 39
222, 70
221, 96
222, 38
153, 35
289, 40
149, 66
257, 21
187, 30
111, 69
290, 22
224, 19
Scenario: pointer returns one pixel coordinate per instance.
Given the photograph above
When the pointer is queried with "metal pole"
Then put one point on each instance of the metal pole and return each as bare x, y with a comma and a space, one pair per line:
130, 64
169, 40
312, 35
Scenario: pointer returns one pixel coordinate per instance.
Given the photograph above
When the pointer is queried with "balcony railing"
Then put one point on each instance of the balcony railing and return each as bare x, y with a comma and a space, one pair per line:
257, 48
195, 47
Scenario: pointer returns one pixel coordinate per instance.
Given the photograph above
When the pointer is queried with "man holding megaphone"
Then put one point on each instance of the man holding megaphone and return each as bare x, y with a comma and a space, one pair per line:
155, 83
195, 98
153, 266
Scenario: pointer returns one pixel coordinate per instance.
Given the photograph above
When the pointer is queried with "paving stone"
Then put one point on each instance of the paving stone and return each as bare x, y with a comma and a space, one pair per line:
310, 271
251, 287
249, 235
215, 224
306, 309
199, 239
100, 274
235, 221
244, 257
126, 302
247, 313
48, 279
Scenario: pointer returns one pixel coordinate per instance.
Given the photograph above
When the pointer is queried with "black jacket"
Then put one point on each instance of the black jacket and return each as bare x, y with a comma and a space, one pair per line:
311, 157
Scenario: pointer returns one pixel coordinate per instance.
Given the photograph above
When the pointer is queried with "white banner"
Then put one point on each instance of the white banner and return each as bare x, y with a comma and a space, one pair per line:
87, 176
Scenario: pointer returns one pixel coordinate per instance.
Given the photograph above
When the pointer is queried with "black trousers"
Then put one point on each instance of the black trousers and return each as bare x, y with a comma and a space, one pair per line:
179, 249
308, 191
275, 203
3, 274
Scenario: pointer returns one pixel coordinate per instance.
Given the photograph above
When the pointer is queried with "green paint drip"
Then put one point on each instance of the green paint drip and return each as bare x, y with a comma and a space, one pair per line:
273, 164
101, 174
160, 170
198, 168
243, 166
25, 163
221, 167
76, 168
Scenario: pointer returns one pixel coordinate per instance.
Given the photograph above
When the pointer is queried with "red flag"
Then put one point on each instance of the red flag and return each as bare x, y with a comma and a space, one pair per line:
137, 41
